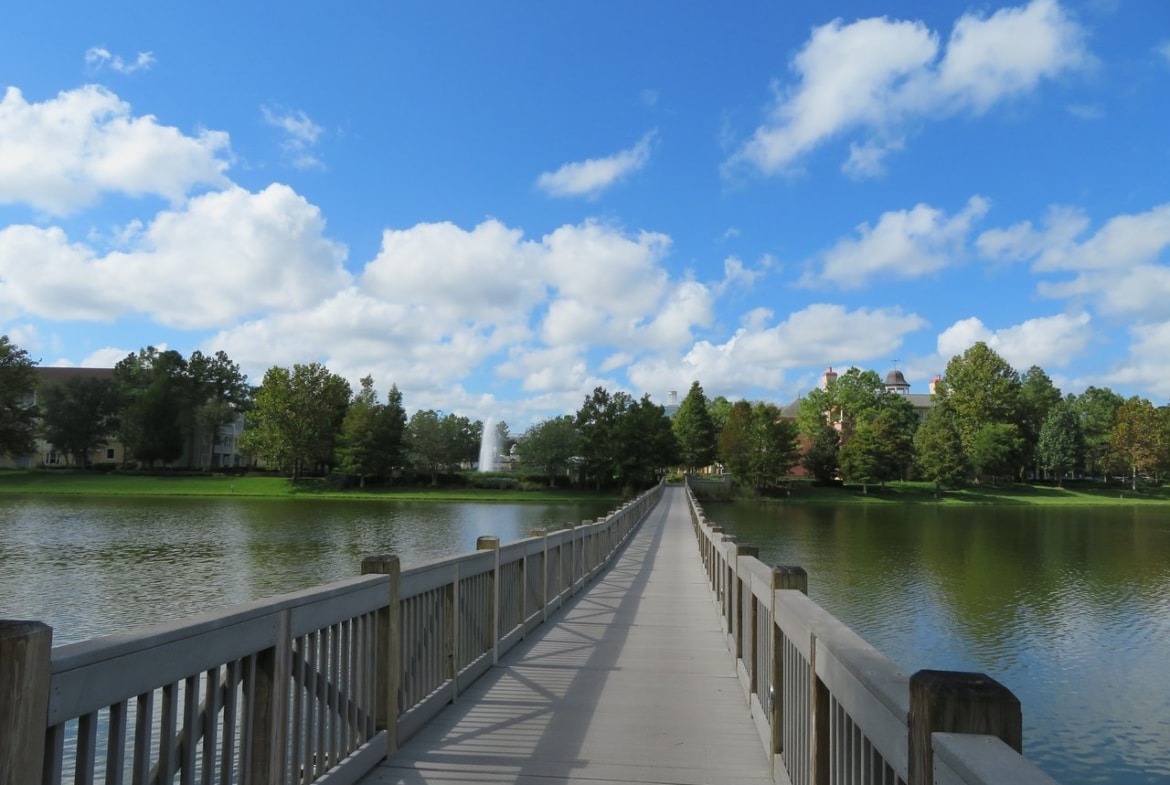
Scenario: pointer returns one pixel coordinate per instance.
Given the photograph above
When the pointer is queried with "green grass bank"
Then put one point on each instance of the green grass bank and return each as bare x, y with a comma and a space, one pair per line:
1073, 494
63, 483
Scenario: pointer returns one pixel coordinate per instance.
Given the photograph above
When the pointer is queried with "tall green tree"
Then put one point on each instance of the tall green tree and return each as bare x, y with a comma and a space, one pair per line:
757, 445
297, 417
981, 389
1097, 409
646, 445
550, 446
440, 442
823, 452
996, 449
154, 389
719, 408
79, 416
370, 443
1038, 396
1061, 446
939, 454
214, 394
597, 425
18, 414
1136, 441
694, 430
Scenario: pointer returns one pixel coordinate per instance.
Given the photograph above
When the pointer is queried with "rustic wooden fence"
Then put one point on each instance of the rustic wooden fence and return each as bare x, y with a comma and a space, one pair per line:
832, 710
314, 686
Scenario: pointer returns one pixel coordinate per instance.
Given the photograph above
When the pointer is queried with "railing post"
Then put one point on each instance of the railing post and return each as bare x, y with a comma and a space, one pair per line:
25, 651
737, 615
543, 534
782, 578
388, 648
488, 543
954, 702
268, 715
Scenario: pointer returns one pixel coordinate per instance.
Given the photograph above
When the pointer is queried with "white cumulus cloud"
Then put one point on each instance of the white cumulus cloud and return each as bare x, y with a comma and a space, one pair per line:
903, 244
223, 256
592, 176
879, 78
1046, 341
61, 154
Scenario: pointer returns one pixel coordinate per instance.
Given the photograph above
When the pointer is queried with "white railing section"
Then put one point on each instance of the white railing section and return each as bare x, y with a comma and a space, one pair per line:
832, 710
314, 686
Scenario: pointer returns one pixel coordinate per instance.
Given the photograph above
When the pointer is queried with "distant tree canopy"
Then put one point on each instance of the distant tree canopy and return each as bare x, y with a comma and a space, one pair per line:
79, 415
694, 430
297, 417
18, 416
624, 443
550, 446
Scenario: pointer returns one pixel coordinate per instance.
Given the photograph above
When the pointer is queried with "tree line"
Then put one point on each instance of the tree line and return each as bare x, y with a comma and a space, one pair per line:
987, 422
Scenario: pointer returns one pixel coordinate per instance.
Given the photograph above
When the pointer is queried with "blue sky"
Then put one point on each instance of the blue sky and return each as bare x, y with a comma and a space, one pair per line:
500, 206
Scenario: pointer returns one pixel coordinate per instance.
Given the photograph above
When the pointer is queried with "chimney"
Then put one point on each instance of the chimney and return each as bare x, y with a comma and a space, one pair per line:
828, 377
934, 383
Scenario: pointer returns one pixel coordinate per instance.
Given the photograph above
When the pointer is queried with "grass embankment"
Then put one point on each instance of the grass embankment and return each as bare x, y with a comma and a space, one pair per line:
1079, 494
116, 484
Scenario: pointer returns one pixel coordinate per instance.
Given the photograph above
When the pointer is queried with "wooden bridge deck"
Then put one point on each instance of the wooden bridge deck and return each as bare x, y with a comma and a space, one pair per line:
632, 683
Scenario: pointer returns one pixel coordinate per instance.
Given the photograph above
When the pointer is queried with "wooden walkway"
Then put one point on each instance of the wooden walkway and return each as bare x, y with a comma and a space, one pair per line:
632, 683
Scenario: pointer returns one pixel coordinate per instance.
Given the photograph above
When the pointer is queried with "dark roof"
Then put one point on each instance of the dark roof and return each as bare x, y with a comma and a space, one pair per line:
54, 375
896, 379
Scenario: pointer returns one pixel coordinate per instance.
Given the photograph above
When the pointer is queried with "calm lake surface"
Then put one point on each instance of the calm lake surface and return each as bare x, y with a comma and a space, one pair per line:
1068, 608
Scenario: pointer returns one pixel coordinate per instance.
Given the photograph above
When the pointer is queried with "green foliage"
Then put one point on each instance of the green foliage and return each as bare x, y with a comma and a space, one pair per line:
982, 389
18, 416
694, 430
1097, 409
172, 406
153, 386
1137, 439
550, 446
370, 443
821, 457
881, 445
939, 456
1038, 396
719, 409
996, 449
1061, 446
437, 443
79, 416
624, 443
296, 418
757, 446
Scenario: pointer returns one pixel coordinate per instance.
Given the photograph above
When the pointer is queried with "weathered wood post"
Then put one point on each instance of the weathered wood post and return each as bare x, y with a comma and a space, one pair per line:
739, 632
727, 559
790, 578
488, 543
955, 702
268, 714
388, 648
543, 534
25, 651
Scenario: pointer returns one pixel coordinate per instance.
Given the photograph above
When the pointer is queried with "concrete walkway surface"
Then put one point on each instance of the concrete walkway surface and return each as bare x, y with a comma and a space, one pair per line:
631, 683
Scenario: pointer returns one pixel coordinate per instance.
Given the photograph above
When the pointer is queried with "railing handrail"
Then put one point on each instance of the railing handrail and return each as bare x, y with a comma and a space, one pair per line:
304, 682
858, 714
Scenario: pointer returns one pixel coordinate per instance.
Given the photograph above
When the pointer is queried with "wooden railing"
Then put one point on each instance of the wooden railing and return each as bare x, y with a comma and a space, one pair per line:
314, 686
830, 709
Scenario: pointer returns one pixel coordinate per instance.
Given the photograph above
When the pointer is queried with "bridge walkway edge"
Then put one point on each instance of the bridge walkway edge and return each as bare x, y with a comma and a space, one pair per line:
631, 683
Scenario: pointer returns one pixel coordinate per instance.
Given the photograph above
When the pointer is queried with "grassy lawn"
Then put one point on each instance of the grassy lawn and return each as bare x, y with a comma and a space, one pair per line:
100, 484
1086, 494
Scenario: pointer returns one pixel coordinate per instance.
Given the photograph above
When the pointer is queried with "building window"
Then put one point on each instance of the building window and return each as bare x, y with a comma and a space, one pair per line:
109, 453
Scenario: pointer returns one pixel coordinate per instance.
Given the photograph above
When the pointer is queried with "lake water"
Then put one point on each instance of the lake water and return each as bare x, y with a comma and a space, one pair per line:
1068, 608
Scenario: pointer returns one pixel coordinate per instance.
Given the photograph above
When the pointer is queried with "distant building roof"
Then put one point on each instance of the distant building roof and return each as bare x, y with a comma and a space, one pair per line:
55, 375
